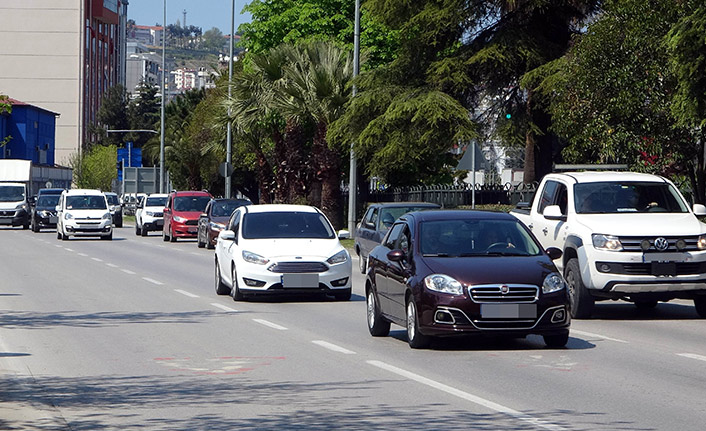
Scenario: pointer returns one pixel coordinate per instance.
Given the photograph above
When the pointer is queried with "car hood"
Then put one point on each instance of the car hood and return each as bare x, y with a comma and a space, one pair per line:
286, 248
157, 209
493, 269
10, 205
629, 224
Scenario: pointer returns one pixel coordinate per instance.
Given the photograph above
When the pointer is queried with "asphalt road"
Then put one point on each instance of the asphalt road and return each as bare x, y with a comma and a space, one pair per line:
129, 334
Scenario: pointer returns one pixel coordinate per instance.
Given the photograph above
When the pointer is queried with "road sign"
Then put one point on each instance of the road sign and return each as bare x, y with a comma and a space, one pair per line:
225, 169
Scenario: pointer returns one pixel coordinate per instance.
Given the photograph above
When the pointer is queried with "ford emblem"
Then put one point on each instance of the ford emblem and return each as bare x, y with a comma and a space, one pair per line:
661, 244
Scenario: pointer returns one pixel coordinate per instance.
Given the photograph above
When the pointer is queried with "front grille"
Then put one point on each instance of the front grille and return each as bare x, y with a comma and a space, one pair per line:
504, 324
191, 222
682, 268
7, 213
157, 215
298, 267
494, 293
633, 243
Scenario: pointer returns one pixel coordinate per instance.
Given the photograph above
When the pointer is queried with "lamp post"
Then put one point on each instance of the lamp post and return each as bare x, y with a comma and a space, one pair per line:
229, 136
161, 121
352, 180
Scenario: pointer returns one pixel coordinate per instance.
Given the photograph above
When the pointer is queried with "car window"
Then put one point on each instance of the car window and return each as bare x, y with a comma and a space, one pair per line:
48, 201
226, 208
112, 199
547, 196
236, 225
404, 241
619, 197
392, 237
371, 218
156, 202
191, 203
282, 224
12, 193
92, 202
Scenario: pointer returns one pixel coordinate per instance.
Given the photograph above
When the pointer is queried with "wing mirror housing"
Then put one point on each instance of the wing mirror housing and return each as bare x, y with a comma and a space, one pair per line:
396, 255
344, 234
554, 253
699, 210
226, 235
553, 212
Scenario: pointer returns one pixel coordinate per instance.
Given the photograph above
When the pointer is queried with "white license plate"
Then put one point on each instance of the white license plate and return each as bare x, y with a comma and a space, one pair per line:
508, 311
300, 280
53, 219
193, 229
5, 221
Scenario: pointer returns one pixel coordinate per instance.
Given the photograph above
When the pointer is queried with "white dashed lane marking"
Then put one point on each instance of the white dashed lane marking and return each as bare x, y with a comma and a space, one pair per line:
112, 265
185, 293
333, 347
158, 283
97, 260
127, 271
592, 335
692, 356
270, 324
223, 307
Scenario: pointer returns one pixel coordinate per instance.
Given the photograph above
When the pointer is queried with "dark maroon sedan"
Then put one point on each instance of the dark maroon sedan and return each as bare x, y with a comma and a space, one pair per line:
214, 219
447, 272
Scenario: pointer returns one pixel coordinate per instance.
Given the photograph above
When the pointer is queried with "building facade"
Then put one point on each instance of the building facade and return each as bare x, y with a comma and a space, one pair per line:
32, 133
63, 55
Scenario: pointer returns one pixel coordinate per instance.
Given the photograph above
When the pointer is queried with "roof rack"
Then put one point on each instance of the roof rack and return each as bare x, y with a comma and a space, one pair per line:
596, 167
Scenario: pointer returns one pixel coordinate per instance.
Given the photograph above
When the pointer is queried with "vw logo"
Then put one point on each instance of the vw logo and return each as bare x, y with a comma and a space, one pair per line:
504, 289
661, 244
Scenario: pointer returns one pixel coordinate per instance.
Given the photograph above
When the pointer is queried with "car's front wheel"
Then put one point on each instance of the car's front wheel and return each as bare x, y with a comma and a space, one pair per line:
143, 230
362, 263
172, 237
221, 287
580, 298
416, 339
342, 295
235, 291
377, 325
199, 243
165, 237
556, 341
700, 304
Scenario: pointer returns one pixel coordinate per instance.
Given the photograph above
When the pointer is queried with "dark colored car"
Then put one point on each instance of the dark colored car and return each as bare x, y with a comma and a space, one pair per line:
377, 221
443, 273
44, 209
214, 219
181, 214
116, 208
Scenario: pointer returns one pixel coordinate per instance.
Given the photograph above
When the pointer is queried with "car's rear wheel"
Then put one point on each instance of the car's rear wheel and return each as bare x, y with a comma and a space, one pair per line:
221, 288
377, 325
342, 295
580, 298
700, 304
137, 229
556, 341
199, 243
416, 339
645, 305
235, 291
362, 263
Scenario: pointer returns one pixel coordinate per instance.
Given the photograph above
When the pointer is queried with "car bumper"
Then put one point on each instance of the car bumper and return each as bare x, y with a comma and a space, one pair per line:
257, 280
446, 315
154, 224
181, 230
14, 218
105, 227
45, 222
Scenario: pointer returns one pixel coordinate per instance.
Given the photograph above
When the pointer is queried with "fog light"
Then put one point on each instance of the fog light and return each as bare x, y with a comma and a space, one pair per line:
681, 244
604, 267
443, 316
645, 244
253, 283
339, 282
558, 316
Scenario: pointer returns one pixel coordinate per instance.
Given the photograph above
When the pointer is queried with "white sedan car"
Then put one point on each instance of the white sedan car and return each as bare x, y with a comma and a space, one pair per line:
275, 249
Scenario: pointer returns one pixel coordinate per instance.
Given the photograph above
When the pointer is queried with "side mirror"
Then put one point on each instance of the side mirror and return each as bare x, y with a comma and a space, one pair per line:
699, 210
344, 234
396, 255
553, 212
166, 210
57, 208
32, 200
226, 235
203, 215
554, 253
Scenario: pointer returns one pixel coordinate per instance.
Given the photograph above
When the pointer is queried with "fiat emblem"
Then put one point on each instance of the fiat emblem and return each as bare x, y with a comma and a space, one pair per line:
504, 289
661, 244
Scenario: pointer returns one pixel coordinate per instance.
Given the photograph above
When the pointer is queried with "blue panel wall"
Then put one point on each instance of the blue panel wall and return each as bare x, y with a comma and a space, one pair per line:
33, 133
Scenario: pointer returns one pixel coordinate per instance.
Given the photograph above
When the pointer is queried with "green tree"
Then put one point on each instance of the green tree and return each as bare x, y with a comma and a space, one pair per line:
96, 168
213, 40
5, 108
112, 115
143, 114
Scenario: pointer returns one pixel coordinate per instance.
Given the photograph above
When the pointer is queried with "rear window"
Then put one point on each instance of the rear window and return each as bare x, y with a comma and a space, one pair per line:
88, 202
156, 202
286, 225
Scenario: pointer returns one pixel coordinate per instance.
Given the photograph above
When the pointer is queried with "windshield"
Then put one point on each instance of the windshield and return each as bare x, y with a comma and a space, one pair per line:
112, 199
12, 193
94, 202
156, 202
191, 203
286, 225
226, 208
475, 238
615, 197
389, 215
48, 201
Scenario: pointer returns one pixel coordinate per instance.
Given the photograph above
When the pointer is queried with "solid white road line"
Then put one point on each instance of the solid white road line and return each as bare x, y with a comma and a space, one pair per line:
467, 396
270, 324
223, 307
333, 347
693, 356
159, 283
184, 292
127, 271
592, 335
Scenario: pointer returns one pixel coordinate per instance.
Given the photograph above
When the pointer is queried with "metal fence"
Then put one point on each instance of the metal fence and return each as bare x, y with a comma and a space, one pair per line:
452, 196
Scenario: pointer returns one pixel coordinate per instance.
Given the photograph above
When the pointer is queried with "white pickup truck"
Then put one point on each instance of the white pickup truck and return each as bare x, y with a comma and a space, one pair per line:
624, 235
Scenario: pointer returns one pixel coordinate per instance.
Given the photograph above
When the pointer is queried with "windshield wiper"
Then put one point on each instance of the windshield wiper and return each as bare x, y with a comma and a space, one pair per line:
506, 253
436, 255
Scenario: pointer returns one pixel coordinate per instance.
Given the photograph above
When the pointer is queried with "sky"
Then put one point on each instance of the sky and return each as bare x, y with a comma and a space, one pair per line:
200, 13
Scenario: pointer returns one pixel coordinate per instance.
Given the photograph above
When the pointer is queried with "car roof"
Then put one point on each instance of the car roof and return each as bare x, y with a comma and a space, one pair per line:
82, 192
231, 200
110, 193
158, 195
264, 208
50, 191
602, 176
191, 193
404, 204
441, 215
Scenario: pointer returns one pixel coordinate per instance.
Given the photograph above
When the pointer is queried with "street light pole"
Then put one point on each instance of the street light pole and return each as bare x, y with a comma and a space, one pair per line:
161, 137
229, 137
353, 174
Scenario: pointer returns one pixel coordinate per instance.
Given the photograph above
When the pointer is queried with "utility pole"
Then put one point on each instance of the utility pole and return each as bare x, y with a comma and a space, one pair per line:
164, 67
353, 170
184, 25
229, 137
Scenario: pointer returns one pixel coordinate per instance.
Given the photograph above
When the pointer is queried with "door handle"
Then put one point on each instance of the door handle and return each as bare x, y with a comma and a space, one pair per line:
531, 226
545, 230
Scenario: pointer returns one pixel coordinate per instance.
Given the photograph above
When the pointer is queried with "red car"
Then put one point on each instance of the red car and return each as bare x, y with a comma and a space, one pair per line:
181, 214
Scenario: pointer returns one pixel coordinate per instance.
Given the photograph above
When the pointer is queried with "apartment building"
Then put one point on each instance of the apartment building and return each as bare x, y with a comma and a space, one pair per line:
63, 55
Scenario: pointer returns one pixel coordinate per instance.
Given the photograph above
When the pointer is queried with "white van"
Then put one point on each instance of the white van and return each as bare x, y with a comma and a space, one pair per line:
83, 212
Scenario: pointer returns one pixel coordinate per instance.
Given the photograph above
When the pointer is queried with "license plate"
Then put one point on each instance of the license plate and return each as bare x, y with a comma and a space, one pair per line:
193, 229
53, 219
159, 223
664, 268
300, 280
5, 221
508, 311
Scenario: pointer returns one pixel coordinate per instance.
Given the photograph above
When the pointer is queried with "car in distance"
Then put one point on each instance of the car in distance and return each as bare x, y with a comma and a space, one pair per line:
83, 212
455, 272
44, 209
214, 218
116, 209
181, 214
281, 249
148, 213
377, 221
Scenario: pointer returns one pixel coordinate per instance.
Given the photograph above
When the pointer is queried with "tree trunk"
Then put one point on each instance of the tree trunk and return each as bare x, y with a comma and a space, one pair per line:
295, 170
280, 187
263, 177
539, 151
328, 170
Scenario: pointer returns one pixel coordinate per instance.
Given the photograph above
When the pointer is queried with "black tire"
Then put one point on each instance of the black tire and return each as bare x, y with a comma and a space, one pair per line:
199, 243
144, 231
362, 263
416, 339
342, 295
25, 226
580, 298
107, 237
645, 305
165, 237
35, 228
235, 291
172, 238
556, 341
221, 288
209, 245
64, 237
137, 229
58, 233
700, 304
119, 223
377, 325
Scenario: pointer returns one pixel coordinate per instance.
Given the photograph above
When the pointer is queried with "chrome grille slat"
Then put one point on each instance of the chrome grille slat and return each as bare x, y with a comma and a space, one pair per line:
632, 243
298, 267
517, 293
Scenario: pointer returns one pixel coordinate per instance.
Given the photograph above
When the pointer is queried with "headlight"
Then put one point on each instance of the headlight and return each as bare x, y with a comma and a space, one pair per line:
149, 213
44, 213
68, 216
21, 207
339, 257
216, 226
179, 219
701, 243
553, 283
607, 242
107, 216
254, 258
443, 283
